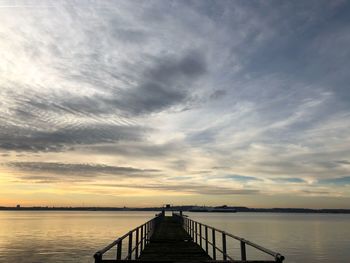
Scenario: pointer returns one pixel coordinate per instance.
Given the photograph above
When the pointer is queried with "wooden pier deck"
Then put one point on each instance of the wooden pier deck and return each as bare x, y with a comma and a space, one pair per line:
170, 242
178, 238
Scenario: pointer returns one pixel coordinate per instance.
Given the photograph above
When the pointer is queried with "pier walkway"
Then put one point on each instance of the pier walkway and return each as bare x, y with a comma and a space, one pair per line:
170, 242
177, 238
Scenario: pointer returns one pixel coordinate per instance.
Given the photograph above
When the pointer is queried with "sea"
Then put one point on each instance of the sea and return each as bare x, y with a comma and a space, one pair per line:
72, 236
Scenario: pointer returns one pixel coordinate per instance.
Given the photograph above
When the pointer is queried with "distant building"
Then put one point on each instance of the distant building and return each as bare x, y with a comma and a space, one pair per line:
18, 206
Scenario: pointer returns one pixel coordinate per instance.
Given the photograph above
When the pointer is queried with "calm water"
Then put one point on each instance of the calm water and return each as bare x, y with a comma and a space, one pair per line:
74, 236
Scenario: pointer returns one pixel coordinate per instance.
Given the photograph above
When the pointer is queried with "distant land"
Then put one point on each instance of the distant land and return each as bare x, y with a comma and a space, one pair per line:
176, 208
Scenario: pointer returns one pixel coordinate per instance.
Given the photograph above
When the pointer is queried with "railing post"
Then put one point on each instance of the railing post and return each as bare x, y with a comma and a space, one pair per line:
152, 228
98, 257
119, 250
192, 230
141, 245
224, 251
137, 244
200, 234
279, 258
196, 224
130, 246
147, 232
243, 251
214, 244
206, 239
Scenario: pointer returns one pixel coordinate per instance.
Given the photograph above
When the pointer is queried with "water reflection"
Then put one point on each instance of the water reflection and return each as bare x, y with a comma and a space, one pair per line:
33, 236
299, 237
61, 236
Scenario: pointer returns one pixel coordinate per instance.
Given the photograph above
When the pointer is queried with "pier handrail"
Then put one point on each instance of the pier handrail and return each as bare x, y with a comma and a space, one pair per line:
140, 234
195, 230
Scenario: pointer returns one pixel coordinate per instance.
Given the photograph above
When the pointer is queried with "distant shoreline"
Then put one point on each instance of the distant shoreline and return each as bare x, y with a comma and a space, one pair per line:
178, 208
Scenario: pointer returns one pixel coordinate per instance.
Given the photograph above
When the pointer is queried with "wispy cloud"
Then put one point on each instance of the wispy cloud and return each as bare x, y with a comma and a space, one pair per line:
46, 172
242, 178
288, 180
188, 188
337, 181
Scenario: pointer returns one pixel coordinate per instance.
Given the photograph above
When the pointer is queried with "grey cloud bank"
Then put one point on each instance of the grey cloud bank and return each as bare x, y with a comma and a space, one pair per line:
60, 172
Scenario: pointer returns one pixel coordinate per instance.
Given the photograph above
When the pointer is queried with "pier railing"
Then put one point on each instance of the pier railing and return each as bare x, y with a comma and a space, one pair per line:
207, 237
136, 239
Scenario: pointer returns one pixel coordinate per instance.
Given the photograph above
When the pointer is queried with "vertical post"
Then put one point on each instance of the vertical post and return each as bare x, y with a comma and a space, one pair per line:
147, 232
224, 251
180, 212
145, 226
243, 251
196, 224
98, 257
206, 239
192, 230
153, 226
137, 244
200, 234
214, 244
141, 245
187, 227
150, 230
130, 246
119, 250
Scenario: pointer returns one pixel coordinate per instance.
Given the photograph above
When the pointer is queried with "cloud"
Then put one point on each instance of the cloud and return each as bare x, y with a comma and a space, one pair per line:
343, 162
164, 85
75, 81
288, 180
316, 192
137, 149
218, 94
336, 181
188, 188
33, 140
47, 172
242, 178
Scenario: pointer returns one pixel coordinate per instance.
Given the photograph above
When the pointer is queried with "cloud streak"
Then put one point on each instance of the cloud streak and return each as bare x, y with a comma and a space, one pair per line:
47, 172
189, 189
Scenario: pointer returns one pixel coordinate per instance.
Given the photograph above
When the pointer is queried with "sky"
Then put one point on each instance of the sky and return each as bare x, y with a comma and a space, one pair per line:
142, 103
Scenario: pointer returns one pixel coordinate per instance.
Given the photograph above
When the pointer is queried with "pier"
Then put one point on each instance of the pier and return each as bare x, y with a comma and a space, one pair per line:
178, 238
